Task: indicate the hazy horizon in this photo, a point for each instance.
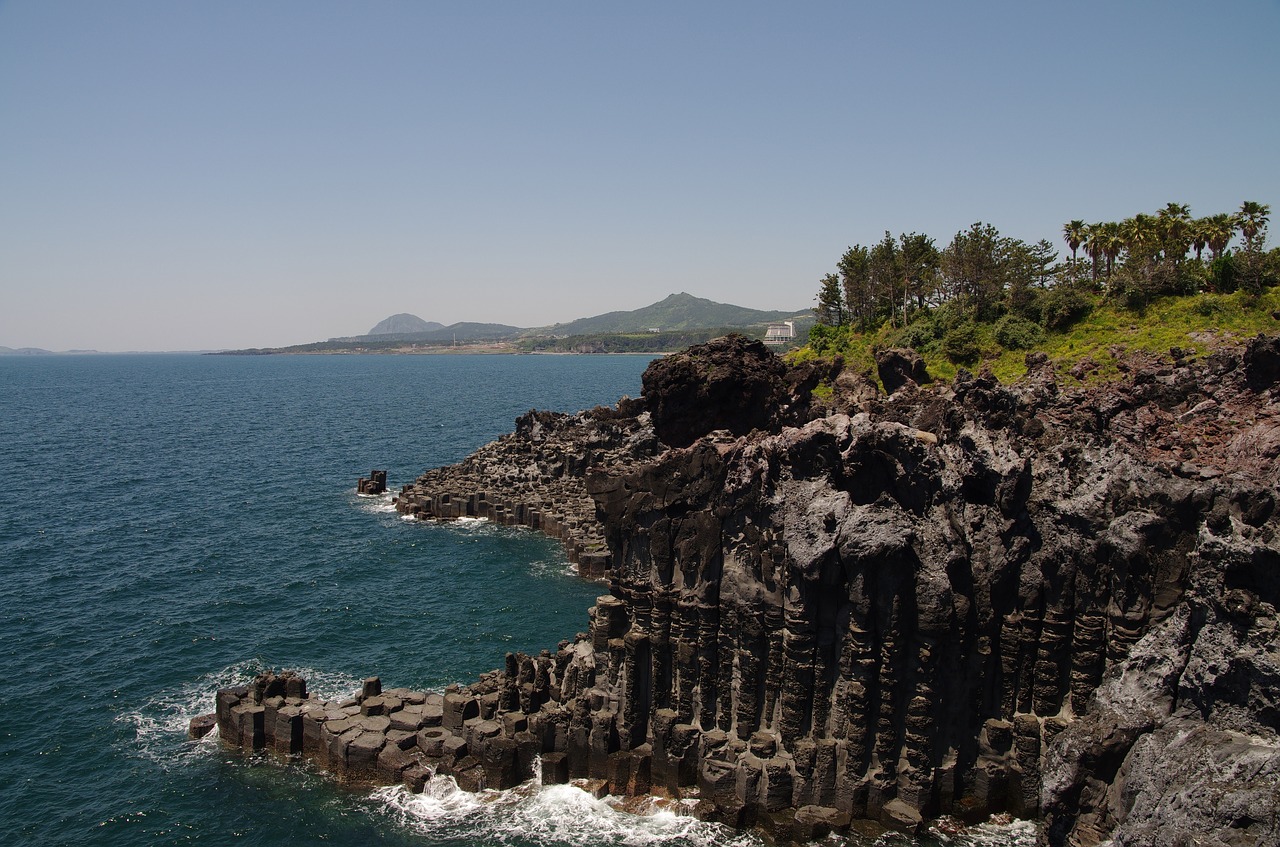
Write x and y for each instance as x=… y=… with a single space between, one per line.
x=188 y=177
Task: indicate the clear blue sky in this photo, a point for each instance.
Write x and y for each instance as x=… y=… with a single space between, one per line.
x=184 y=175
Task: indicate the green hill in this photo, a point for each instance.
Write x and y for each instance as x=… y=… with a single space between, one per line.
x=404 y=323
x=459 y=332
x=676 y=312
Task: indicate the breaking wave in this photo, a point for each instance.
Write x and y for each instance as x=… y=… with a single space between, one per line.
x=559 y=815
x=160 y=724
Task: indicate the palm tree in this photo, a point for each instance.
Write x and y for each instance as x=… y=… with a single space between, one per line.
x=1252 y=217
x=1199 y=236
x=1175 y=225
x=1138 y=233
x=1141 y=236
x=1218 y=231
x=1112 y=243
x=1252 y=221
x=1093 y=238
x=1074 y=233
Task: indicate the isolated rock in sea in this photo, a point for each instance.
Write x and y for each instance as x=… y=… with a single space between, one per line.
x=958 y=600
x=374 y=484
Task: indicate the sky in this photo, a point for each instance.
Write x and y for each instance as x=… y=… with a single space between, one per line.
x=184 y=175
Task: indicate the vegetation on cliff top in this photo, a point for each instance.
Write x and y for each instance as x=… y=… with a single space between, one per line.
x=985 y=300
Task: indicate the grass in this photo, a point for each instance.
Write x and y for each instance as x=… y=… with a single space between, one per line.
x=1193 y=322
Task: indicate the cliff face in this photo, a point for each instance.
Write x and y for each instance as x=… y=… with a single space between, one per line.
x=966 y=601
x=955 y=600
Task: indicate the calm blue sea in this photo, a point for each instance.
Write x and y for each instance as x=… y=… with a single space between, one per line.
x=172 y=524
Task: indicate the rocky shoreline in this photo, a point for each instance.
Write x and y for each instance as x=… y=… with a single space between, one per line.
x=836 y=606
x=536 y=477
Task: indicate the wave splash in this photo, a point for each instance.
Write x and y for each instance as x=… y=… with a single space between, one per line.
x=567 y=816
x=376 y=504
x=550 y=816
x=160 y=724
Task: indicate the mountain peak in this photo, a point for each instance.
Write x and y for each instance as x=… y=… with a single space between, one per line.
x=674 y=312
x=404 y=323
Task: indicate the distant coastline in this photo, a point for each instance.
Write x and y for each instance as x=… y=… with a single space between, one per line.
x=465 y=350
x=674 y=323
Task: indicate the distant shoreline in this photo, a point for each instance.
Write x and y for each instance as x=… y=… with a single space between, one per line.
x=471 y=350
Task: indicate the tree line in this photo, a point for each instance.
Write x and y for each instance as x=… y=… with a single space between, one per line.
x=982 y=276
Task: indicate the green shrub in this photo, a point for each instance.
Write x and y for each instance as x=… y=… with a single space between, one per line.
x=960 y=344
x=827 y=340
x=1061 y=307
x=1210 y=305
x=1222 y=274
x=919 y=334
x=947 y=317
x=1015 y=333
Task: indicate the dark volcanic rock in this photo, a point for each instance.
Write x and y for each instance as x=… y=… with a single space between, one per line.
x=898 y=366
x=731 y=383
x=536 y=476
x=1262 y=362
x=956 y=600
x=374 y=484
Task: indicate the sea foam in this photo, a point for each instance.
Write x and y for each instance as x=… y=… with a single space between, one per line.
x=160 y=723
x=545 y=815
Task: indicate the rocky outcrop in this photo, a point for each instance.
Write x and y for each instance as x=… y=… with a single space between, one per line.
x=733 y=384
x=945 y=595
x=536 y=477
x=899 y=366
x=1054 y=601
x=387 y=737
x=372 y=485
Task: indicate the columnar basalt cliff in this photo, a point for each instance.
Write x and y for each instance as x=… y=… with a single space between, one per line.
x=956 y=600
x=973 y=599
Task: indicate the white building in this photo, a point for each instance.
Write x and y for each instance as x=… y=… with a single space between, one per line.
x=783 y=333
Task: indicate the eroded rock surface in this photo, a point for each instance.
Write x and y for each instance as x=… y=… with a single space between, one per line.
x=1050 y=600
x=536 y=476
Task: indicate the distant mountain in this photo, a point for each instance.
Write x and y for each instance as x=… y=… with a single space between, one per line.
x=23 y=351
x=676 y=312
x=404 y=323
x=459 y=332
x=677 y=321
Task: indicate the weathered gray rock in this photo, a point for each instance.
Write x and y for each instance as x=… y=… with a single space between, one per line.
x=899 y=366
x=955 y=600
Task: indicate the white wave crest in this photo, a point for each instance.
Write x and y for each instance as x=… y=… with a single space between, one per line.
x=545 y=815
x=1000 y=831
x=160 y=724
x=377 y=504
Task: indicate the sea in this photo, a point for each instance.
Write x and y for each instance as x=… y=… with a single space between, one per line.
x=171 y=524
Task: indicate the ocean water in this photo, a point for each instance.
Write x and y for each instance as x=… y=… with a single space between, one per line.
x=173 y=524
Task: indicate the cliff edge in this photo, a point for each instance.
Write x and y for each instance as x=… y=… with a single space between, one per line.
x=827 y=604
x=981 y=597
